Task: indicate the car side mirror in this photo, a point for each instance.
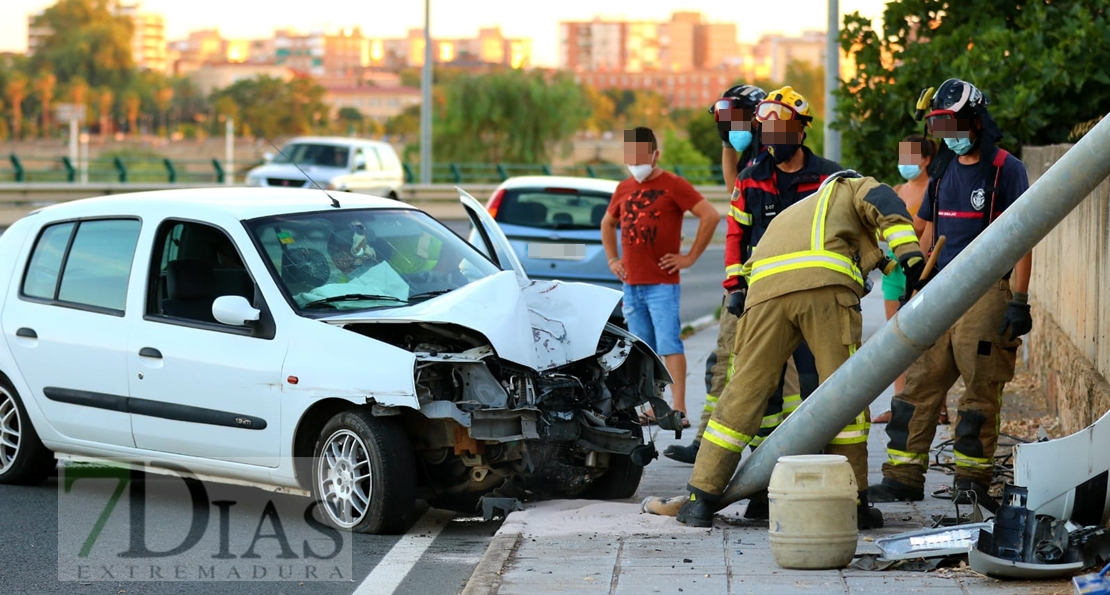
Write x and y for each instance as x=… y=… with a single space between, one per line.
x=268 y=157
x=234 y=310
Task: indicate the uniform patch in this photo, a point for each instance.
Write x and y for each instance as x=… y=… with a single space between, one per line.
x=978 y=199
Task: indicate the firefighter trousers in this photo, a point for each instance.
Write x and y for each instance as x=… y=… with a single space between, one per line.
x=829 y=320
x=798 y=381
x=973 y=349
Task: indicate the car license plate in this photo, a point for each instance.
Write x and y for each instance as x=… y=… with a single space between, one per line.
x=557 y=251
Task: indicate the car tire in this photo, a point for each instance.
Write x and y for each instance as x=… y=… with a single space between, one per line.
x=23 y=458
x=620 y=481
x=363 y=474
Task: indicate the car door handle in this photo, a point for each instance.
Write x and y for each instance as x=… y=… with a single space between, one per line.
x=150 y=352
x=27 y=332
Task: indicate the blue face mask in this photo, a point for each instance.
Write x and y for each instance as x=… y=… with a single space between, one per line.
x=909 y=171
x=959 y=146
x=739 y=139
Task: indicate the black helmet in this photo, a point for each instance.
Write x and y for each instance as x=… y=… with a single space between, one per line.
x=958 y=98
x=740 y=97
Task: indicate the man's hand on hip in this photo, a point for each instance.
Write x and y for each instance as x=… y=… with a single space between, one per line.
x=672 y=263
x=617 y=268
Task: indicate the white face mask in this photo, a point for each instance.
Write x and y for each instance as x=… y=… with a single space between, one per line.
x=641 y=172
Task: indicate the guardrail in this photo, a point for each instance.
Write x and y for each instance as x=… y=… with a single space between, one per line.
x=128 y=169
x=440 y=200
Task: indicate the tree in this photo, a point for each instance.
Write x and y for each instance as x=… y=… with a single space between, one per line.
x=405 y=124
x=44 y=87
x=162 y=98
x=676 y=150
x=508 y=116
x=349 y=119
x=603 y=111
x=78 y=91
x=16 y=92
x=87 y=41
x=1041 y=64
x=105 y=100
x=809 y=80
x=270 y=107
x=132 y=103
x=701 y=130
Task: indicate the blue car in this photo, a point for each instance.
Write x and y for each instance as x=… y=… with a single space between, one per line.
x=554 y=225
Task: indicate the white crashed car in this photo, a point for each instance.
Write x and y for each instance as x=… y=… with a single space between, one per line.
x=348 y=348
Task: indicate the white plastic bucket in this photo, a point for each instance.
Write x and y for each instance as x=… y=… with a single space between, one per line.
x=813 y=512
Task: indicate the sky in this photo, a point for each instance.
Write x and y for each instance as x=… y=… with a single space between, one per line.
x=453 y=18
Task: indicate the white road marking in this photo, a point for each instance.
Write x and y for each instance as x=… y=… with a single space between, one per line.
x=398 y=562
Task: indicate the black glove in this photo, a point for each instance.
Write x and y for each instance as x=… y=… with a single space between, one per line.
x=736 y=301
x=913 y=264
x=1016 y=319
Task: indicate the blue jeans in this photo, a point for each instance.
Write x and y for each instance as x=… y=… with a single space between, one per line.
x=651 y=312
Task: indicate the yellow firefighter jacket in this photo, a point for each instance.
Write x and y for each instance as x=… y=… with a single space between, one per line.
x=830 y=238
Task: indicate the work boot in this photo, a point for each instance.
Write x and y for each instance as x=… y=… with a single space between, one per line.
x=698 y=510
x=892 y=490
x=759 y=508
x=683 y=454
x=867 y=516
x=973 y=492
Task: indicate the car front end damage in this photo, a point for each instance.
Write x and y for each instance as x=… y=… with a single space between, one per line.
x=490 y=427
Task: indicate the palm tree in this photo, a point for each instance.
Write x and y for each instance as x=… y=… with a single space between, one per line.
x=163 y=97
x=16 y=91
x=105 y=101
x=44 y=86
x=131 y=104
x=79 y=92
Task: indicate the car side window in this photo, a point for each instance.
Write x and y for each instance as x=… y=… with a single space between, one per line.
x=372 y=162
x=197 y=263
x=360 y=160
x=95 y=263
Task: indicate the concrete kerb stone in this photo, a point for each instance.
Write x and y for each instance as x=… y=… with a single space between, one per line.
x=486 y=578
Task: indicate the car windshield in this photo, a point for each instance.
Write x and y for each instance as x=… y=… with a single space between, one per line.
x=357 y=259
x=313 y=154
x=553 y=208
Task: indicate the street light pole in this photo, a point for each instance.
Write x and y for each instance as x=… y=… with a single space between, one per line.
x=426 y=101
x=832 y=81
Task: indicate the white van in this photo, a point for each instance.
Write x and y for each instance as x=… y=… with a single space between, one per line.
x=335 y=163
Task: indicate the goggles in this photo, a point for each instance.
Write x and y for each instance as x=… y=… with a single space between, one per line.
x=942 y=121
x=775 y=110
x=727 y=106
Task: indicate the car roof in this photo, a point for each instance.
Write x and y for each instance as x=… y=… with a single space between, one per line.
x=580 y=183
x=237 y=202
x=335 y=140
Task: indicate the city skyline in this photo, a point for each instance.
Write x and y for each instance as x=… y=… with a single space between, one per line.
x=449 y=19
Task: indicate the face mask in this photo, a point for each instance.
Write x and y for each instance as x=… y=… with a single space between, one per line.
x=782 y=153
x=739 y=139
x=641 y=172
x=909 y=171
x=959 y=146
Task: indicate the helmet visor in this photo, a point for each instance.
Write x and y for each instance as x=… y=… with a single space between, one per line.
x=944 y=123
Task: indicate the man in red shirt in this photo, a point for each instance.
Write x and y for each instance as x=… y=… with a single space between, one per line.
x=649 y=207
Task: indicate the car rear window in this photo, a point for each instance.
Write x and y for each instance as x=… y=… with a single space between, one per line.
x=553 y=208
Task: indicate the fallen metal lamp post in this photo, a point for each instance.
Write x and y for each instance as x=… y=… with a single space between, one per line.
x=935 y=309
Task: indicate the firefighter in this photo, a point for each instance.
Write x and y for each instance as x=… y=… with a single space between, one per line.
x=789 y=172
x=802 y=287
x=972 y=184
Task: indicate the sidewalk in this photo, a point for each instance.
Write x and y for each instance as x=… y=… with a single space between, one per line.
x=589 y=546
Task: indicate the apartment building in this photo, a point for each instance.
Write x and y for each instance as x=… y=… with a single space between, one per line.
x=685 y=43
x=148 y=38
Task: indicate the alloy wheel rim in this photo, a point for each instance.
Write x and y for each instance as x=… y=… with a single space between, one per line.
x=10 y=430
x=344 y=478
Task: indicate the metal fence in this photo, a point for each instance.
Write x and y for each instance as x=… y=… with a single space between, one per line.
x=124 y=169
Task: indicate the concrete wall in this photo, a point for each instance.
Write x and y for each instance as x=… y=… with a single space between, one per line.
x=1069 y=347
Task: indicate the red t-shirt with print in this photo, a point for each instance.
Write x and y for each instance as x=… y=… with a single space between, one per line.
x=650 y=216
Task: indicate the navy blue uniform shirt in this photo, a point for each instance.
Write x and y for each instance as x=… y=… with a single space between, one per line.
x=965 y=199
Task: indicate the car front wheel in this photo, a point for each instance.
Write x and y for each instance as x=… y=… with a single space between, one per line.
x=364 y=474
x=23 y=458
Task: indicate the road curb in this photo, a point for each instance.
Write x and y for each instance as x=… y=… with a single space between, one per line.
x=700 y=324
x=486 y=578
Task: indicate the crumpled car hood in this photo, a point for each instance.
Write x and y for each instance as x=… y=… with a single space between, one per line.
x=543 y=325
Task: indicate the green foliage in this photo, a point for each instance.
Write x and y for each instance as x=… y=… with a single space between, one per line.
x=88 y=41
x=809 y=80
x=677 y=150
x=701 y=129
x=1041 y=64
x=405 y=124
x=270 y=107
x=507 y=116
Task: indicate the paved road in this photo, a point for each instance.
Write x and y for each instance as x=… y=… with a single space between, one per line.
x=437 y=556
